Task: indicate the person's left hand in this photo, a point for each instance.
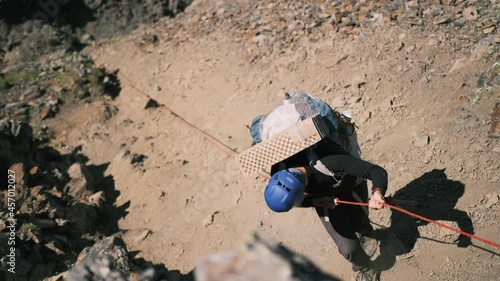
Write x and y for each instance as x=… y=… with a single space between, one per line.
x=377 y=200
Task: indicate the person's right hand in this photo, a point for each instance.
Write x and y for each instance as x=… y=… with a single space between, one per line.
x=377 y=200
x=327 y=202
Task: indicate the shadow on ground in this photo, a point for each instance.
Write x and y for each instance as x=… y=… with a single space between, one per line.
x=435 y=196
x=59 y=203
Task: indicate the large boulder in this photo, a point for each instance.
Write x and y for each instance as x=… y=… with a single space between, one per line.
x=261 y=259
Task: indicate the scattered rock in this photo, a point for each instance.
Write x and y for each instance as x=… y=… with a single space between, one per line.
x=259 y=260
x=98 y=268
x=493 y=199
x=494 y=131
x=457 y=65
x=137 y=160
x=18 y=172
x=80 y=185
x=358 y=81
x=97 y=199
x=151 y=104
x=423 y=141
x=447 y=234
x=209 y=219
x=142 y=236
x=470 y=13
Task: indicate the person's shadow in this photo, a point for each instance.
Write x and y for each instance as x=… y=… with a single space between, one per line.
x=432 y=196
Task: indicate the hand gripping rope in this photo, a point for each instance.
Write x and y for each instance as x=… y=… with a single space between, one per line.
x=424 y=219
x=231 y=153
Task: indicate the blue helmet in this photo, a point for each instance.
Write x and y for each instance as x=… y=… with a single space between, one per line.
x=284 y=190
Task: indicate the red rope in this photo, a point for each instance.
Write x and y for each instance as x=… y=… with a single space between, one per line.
x=226 y=150
x=425 y=219
x=231 y=153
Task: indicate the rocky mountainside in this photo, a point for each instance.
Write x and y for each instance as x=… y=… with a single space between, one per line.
x=30 y=29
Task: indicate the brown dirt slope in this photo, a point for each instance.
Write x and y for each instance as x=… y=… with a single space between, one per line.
x=421 y=82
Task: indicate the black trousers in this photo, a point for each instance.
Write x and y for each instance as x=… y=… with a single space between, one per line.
x=343 y=222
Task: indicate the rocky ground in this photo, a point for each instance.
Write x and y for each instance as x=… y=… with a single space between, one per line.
x=103 y=134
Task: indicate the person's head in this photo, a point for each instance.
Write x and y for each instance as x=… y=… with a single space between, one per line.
x=285 y=190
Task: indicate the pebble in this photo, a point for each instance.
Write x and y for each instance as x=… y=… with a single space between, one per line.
x=143 y=235
x=209 y=219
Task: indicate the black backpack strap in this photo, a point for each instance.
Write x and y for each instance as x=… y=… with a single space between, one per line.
x=316 y=163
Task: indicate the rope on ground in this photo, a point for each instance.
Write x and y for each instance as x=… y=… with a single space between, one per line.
x=425 y=219
x=231 y=154
x=228 y=151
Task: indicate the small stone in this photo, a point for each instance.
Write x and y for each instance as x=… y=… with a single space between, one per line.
x=492 y=200
x=34 y=170
x=459 y=22
x=209 y=219
x=324 y=16
x=446 y=234
x=86 y=38
x=423 y=141
x=152 y=104
x=358 y=81
x=143 y=235
x=45 y=113
x=137 y=160
x=400 y=45
x=457 y=65
x=18 y=173
x=51 y=245
x=441 y=20
x=470 y=13
x=58 y=89
x=489 y=29
x=31 y=93
x=432 y=42
x=220 y=12
x=80 y=184
x=97 y=199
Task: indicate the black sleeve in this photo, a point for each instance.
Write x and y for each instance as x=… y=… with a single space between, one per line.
x=307 y=202
x=355 y=167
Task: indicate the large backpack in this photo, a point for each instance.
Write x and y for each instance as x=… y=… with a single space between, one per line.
x=297 y=106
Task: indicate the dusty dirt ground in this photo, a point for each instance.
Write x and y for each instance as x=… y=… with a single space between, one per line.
x=416 y=103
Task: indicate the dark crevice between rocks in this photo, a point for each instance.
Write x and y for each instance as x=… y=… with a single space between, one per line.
x=66 y=215
x=59 y=199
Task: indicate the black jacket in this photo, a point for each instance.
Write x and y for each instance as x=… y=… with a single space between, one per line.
x=337 y=160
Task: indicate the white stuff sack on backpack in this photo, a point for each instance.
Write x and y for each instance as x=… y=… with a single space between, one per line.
x=296 y=106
